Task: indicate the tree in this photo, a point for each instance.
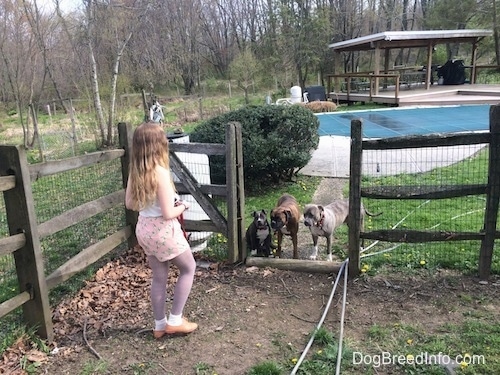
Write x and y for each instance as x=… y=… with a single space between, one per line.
x=41 y=34
x=114 y=24
x=496 y=33
x=304 y=36
x=450 y=14
x=219 y=34
x=182 y=33
x=244 y=69
x=19 y=57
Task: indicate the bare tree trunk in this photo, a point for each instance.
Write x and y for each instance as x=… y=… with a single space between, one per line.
x=114 y=79
x=33 y=17
x=71 y=38
x=94 y=78
x=36 y=134
x=495 y=33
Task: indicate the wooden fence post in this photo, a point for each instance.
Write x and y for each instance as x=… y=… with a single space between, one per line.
x=125 y=134
x=231 y=181
x=354 y=220
x=240 y=191
x=235 y=193
x=492 y=197
x=21 y=218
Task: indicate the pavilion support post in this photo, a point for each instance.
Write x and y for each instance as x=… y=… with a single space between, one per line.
x=473 y=63
x=377 y=69
x=387 y=57
x=337 y=66
x=428 y=72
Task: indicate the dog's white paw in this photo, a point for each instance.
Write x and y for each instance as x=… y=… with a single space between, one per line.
x=329 y=258
x=314 y=253
x=253 y=253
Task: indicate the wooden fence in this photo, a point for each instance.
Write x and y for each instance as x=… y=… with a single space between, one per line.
x=491 y=189
x=24 y=237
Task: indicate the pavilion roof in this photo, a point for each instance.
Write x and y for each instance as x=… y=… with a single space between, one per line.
x=406 y=39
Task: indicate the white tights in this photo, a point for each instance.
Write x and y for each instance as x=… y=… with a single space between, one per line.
x=187 y=265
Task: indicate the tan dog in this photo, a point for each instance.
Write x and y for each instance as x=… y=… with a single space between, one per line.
x=323 y=220
x=285 y=220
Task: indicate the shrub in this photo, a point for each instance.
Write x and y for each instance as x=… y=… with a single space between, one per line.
x=277 y=142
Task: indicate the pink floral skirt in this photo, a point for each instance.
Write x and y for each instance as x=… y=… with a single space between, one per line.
x=161 y=238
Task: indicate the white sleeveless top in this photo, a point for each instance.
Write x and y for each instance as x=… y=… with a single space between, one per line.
x=154 y=210
x=151 y=211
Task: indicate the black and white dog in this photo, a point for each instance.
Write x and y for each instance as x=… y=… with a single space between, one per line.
x=259 y=235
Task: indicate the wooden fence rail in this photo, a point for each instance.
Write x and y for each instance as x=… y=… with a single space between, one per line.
x=489 y=233
x=25 y=234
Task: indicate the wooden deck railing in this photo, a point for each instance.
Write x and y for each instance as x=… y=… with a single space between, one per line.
x=352 y=82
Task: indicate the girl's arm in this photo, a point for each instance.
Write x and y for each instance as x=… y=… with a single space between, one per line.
x=166 y=195
x=128 y=196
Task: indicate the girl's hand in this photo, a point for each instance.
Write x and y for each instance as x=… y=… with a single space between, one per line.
x=183 y=203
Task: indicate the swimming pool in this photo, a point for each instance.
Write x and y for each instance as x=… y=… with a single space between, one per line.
x=396 y=122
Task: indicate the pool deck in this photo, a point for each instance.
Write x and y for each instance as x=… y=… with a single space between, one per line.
x=418 y=95
x=332 y=159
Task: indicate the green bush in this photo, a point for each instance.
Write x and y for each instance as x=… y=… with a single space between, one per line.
x=277 y=142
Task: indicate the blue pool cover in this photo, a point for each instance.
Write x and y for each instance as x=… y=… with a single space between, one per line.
x=397 y=122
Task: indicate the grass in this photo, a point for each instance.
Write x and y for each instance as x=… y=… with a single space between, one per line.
x=464 y=214
x=18 y=337
x=202 y=368
x=94 y=368
x=472 y=342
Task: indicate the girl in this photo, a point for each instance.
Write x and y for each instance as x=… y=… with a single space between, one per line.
x=150 y=190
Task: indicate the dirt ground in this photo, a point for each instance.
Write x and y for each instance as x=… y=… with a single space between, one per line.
x=246 y=315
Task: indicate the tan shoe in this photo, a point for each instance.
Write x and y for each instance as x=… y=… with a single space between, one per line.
x=185 y=328
x=158 y=334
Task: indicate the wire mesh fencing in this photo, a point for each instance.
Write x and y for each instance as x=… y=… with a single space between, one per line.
x=445 y=168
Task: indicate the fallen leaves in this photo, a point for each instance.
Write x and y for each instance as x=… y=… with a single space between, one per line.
x=116 y=298
x=18 y=353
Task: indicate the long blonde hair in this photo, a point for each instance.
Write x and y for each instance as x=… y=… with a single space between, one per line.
x=149 y=149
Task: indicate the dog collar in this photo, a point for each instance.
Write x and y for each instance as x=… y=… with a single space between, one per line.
x=320 y=223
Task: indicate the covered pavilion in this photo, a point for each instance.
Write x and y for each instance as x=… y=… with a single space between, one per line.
x=428 y=39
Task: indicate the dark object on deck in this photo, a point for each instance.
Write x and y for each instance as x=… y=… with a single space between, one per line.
x=453 y=72
x=315 y=93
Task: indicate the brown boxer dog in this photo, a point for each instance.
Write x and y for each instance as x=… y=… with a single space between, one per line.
x=285 y=221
